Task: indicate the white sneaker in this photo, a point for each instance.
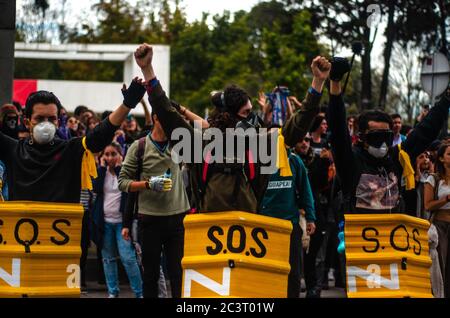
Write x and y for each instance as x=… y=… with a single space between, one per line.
x=113 y=296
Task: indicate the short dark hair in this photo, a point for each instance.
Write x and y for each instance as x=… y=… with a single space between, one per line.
x=41 y=97
x=79 y=110
x=395 y=116
x=373 y=115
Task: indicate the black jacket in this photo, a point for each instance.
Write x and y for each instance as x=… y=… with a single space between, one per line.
x=373 y=185
x=52 y=172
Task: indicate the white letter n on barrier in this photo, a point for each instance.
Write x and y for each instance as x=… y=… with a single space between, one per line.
x=12 y=279
x=221 y=289
x=372 y=278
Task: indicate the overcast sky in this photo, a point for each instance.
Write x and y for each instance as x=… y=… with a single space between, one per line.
x=193 y=8
x=81 y=10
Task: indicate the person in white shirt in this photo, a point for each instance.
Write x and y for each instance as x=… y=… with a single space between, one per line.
x=107 y=220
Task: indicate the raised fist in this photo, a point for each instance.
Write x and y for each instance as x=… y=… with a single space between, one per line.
x=144 y=55
x=321 y=68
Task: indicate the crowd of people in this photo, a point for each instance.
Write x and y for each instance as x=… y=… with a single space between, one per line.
x=136 y=201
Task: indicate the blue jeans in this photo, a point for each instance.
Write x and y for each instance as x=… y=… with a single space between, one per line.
x=113 y=243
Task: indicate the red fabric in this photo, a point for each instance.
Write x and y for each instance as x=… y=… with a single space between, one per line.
x=205 y=167
x=23 y=88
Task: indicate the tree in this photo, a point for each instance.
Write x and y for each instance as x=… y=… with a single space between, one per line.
x=402 y=28
x=272 y=44
x=407 y=95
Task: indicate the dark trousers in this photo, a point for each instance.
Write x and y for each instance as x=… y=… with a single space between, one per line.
x=310 y=259
x=294 y=261
x=160 y=233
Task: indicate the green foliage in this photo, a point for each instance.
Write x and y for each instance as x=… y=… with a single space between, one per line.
x=272 y=44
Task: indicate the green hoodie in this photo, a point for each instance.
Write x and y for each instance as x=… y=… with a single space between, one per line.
x=284 y=196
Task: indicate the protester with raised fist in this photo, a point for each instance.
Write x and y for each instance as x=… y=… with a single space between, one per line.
x=241 y=190
x=35 y=163
x=160 y=202
x=371 y=171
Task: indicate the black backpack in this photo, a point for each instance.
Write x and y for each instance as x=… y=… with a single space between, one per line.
x=132 y=206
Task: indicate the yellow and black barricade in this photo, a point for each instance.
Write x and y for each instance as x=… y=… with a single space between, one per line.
x=40 y=249
x=387 y=255
x=235 y=254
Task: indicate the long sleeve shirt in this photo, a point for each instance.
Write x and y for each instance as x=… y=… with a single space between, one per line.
x=248 y=198
x=155 y=163
x=372 y=185
x=51 y=172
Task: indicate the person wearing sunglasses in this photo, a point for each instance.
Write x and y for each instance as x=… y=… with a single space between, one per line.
x=371 y=172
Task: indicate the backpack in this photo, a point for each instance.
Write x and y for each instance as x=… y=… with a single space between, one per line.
x=240 y=177
x=132 y=206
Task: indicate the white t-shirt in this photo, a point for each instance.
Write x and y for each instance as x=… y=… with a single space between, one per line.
x=112 y=197
x=443 y=191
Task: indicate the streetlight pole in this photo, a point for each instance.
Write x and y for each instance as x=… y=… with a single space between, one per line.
x=7 y=37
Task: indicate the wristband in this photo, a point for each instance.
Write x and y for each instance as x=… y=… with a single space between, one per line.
x=312 y=91
x=153 y=82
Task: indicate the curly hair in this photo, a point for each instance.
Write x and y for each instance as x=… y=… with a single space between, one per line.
x=222 y=120
x=227 y=105
x=232 y=100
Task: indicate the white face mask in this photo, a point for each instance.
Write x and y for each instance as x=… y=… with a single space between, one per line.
x=44 y=133
x=378 y=152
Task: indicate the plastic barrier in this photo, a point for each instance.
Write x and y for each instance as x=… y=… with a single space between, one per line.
x=40 y=249
x=387 y=255
x=235 y=254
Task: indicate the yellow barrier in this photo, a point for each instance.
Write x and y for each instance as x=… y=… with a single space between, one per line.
x=40 y=249
x=387 y=255
x=235 y=254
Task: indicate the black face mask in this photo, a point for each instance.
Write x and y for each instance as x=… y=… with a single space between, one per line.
x=376 y=138
x=10 y=126
x=252 y=121
x=11 y=122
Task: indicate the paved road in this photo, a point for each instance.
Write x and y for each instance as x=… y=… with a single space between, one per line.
x=99 y=291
